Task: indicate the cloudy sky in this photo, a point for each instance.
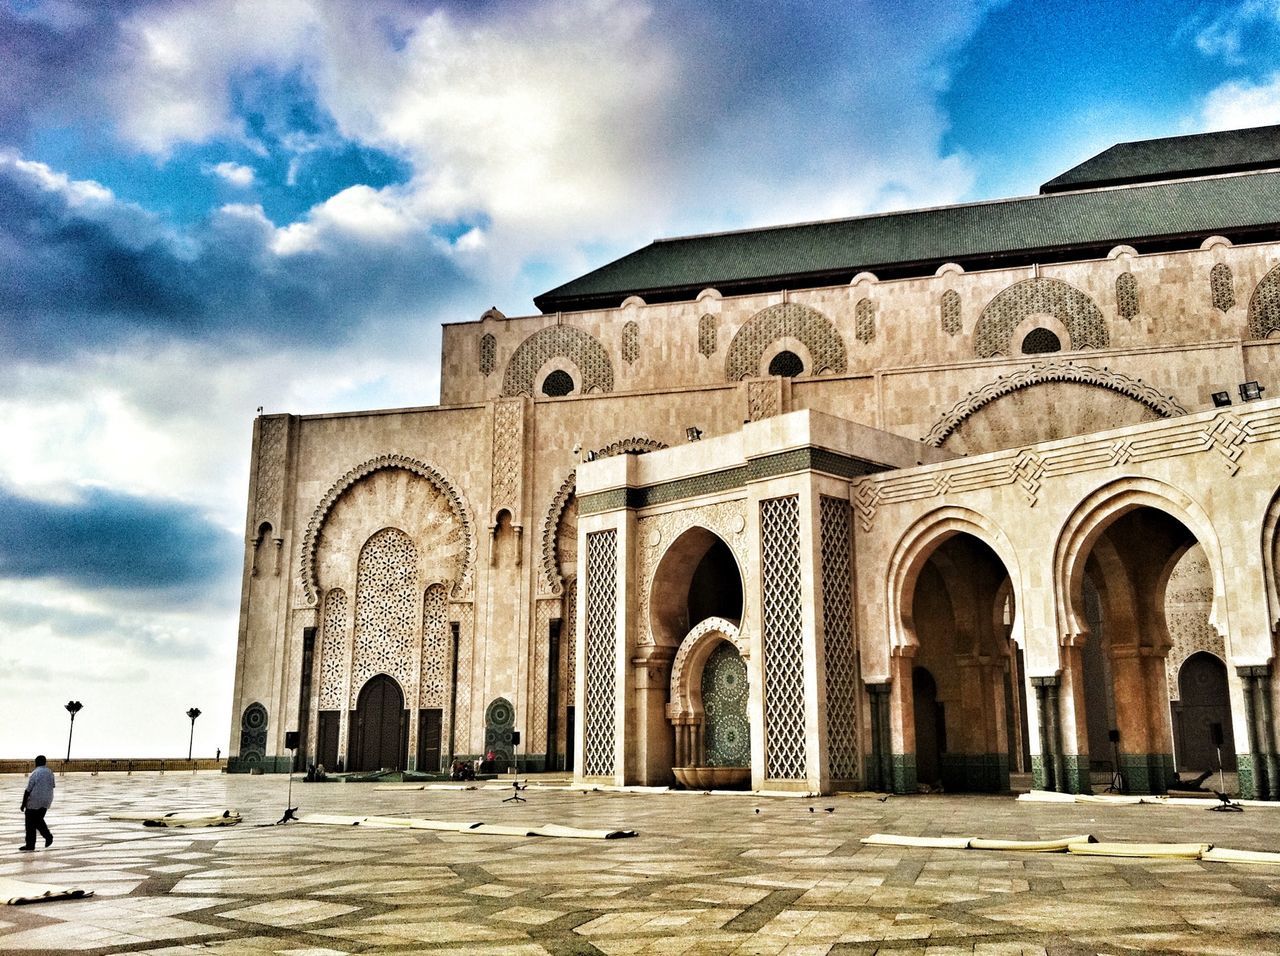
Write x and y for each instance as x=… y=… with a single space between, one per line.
x=210 y=206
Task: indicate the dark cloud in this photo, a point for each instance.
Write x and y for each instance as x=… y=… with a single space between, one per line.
x=112 y=540
x=83 y=273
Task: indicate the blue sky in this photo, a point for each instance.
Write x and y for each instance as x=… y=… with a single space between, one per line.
x=207 y=207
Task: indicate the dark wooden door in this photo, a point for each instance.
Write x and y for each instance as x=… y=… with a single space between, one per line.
x=429 y=724
x=568 y=738
x=1202 y=687
x=381 y=727
x=327 y=739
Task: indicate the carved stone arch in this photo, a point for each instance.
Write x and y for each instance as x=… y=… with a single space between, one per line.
x=1271 y=559
x=1163 y=405
x=558 y=341
x=1006 y=311
x=552 y=580
x=1095 y=514
x=1264 y=306
x=917 y=545
x=307 y=573
x=725 y=520
x=686 y=668
x=787 y=319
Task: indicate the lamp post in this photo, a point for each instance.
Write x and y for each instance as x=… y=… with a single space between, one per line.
x=73 y=707
x=193 y=713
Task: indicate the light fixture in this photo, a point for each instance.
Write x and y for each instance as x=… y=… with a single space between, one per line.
x=1221 y=399
x=591 y=456
x=693 y=433
x=1251 y=391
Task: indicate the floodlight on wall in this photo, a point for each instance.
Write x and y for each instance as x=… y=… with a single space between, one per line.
x=1221 y=399
x=591 y=456
x=1251 y=391
x=693 y=433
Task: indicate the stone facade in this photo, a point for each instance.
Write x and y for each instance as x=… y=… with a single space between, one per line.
x=895 y=542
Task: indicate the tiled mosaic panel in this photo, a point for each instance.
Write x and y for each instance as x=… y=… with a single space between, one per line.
x=630 y=342
x=569 y=641
x=783 y=654
x=464 y=614
x=436 y=641
x=707 y=334
x=727 y=735
x=787 y=319
x=1126 y=295
x=1264 y=307
x=508 y=449
x=488 y=354
x=598 y=722
x=950 y=309
x=864 y=316
x=559 y=341
x=333 y=650
x=386 y=612
x=838 y=645
x=1222 y=287
x=541 y=646
x=253 y=733
x=1070 y=306
x=499 y=728
x=271 y=455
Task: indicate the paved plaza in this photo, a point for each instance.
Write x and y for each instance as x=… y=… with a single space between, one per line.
x=707 y=874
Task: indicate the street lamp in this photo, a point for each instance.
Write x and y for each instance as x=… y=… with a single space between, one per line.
x=73 y=707
x=193 y=713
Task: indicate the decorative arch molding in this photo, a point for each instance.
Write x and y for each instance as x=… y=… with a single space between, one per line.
x=917 y=544
x=461 y=585
x=1271 y=559
x=1005 y=312
x=686 y=668
x=552 y=581
x=1163 y=405
x=1264 y=306
x=558 y=341
x=786 y=319
x=1090 y=520
x=726 y=520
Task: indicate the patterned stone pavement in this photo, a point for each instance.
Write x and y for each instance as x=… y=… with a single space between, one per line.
x=707 y=874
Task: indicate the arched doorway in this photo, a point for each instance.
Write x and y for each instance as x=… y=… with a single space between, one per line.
x=1118 y=556
x=1204 y=715
x=967 y=692
x=707 y=709
x=380 y=726
x=499 y=733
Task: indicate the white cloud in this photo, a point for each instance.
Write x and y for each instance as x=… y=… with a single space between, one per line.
x=234 y=174
x=1240 y=104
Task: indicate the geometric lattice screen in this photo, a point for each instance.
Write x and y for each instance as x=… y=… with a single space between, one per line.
x=599 y=663
x=387 y=607
x=837 y=645
x=783 y=651
x=333 y=651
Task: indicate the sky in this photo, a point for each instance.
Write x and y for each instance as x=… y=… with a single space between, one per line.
x=207 y=207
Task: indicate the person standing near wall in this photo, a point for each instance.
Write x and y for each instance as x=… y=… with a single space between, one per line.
x=36 y=801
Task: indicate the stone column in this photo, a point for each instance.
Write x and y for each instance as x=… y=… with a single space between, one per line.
x=654 y=759
x=1255 y=783
x=1053 y=778
x=880 y=763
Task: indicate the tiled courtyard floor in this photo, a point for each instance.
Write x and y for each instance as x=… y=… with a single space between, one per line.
x=707 y=874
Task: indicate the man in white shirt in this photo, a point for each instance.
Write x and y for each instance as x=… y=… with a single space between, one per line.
x=36 y=801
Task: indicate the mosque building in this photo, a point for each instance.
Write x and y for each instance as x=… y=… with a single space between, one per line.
x=921 y=498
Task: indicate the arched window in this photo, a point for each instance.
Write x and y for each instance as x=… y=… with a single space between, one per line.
x=786 y=364
x=558 y=383
x=1038 y=341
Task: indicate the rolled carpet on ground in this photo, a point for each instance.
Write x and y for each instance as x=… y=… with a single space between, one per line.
x=17 y=892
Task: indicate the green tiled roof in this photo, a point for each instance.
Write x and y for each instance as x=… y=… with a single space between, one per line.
x=1175 y=157
x=1034 y=228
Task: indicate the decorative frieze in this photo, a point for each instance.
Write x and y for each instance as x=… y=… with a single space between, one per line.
x=1223 y=435
x=508 y=458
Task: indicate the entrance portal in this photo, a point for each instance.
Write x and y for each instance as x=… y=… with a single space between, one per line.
x=1204 y=715
x=380 y=727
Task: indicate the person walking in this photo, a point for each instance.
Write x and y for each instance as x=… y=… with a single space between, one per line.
x=36 y=801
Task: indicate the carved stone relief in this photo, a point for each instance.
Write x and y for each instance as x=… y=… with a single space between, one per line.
x=785 y=320
x=559 y=341
x=1004 y=313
